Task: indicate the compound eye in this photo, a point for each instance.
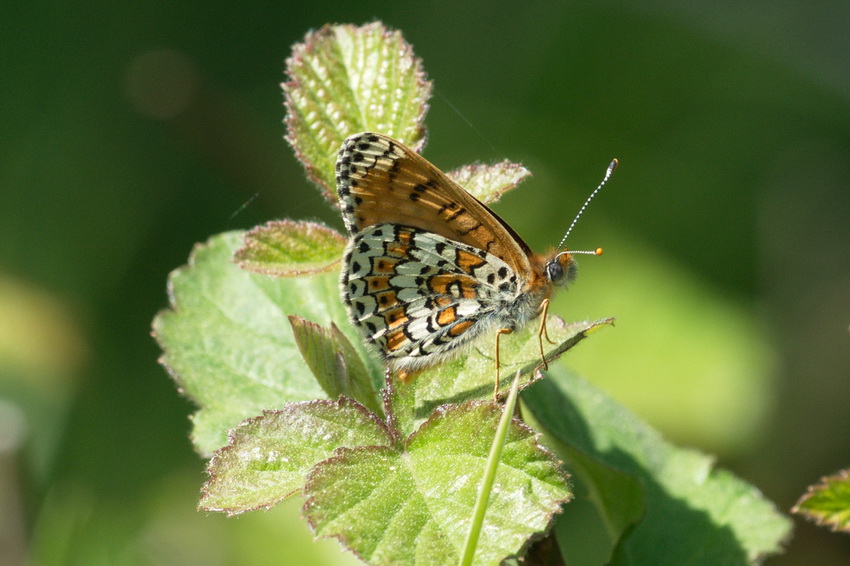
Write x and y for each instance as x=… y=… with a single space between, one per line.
x=562 y=269
x=555 y=271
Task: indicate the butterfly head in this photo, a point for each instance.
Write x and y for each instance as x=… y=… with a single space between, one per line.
x=562 y=268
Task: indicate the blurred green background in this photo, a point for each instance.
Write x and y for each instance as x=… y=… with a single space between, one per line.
x=130 y=133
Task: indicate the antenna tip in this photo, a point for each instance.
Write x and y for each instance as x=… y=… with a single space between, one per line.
x=597 y=251
x=613 y=165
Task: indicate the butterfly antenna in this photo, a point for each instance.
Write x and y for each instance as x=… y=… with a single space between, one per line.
x=597 y=251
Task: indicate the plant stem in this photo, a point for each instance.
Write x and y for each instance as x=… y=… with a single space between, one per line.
x=489 y=475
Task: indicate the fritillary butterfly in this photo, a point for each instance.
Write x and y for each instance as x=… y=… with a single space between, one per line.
x=428 y=268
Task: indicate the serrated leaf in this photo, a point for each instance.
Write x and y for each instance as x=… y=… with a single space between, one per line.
x=287 y=248
x=828 y=502
x=268 y=457
x=488 y=183
x=415 y=506
x=335 y=363
x=227 y=340
x=685 y=512
x=472 y=376
x=345 y=79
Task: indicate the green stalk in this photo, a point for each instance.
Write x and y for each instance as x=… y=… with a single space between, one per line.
x=489 y=475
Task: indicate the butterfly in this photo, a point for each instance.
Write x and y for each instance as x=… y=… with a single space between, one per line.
x=429 y=269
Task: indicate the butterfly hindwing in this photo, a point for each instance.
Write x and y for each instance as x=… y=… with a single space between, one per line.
x=418 y=296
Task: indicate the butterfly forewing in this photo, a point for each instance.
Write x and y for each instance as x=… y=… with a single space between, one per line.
x=381 y=180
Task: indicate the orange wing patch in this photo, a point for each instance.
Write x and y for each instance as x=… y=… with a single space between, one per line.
x=387 y=299
x=447 y=316
x=452 y=285
x=468 y=262
x=395 y=317
x=378 y=283
x=399 y=249
x=460 y=328
x=395 y=340
x=383 y=265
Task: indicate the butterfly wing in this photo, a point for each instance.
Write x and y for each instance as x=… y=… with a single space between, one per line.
x=380 y=180
x=419 y=297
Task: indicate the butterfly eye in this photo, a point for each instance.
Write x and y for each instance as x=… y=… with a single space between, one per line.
x=554 y=271
x=562 y=269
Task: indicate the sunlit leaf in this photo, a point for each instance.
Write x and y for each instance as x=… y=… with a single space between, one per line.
x=227 y=340
x=345 y=79
x=489 y=182
x=473 y=376
x=414 y=506
x=286 y=248
x=268 y=457
x=828 y=502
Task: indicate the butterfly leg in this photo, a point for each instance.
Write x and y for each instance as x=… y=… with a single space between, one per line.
x=496 y=386
x=541 y=332
x=544 y=306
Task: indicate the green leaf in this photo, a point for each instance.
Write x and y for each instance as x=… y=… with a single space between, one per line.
x=227 y=340
x=288 y=248
x=472 y=376
x=488 y=183
x=345 y=79
x=415 y=506
x=828 y=503
x=662 y=504
x=335 y=363
x=268 y=457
